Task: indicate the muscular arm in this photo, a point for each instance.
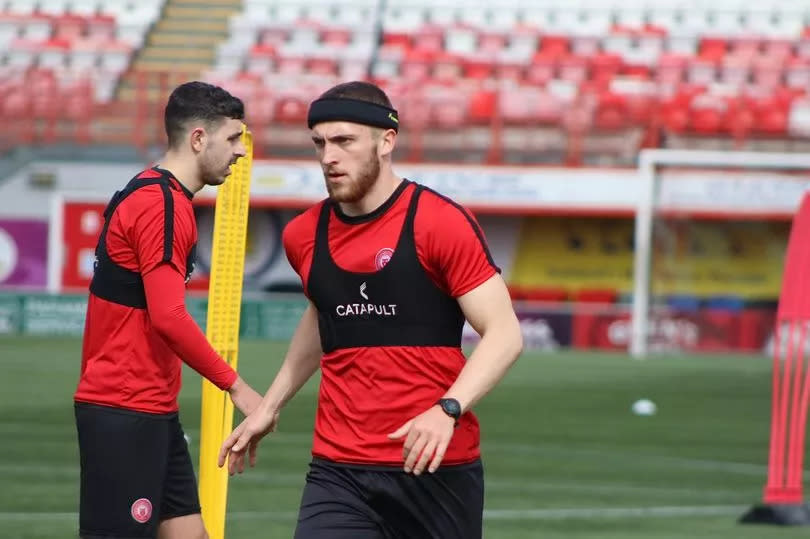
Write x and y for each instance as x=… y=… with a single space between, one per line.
x=489 y=311
x=458 y=259
x=300 y=363
x=302 y=360
x=165 y=299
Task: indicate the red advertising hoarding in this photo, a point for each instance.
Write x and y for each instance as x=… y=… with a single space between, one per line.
x=705 y=330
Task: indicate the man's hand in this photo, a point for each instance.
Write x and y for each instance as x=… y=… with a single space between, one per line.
x=426 y=436
x=244 y=397
x=246 y=437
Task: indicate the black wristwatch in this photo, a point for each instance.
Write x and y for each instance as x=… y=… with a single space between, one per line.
x=451 y=407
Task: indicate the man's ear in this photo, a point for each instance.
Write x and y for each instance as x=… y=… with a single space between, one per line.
x=388 y=141
x=197 y=139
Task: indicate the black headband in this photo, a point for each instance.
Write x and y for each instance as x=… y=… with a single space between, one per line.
x=352 y=110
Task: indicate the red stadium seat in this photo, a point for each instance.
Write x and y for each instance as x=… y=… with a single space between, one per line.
x=718 y=71
x=611 y=112
x=671 y=69
x=291 y=109
x=770 y=117
x=542 y=69
x=712 y=49
x=478 y=68
x=554 y=45
x=707 y=114
x=396 y=39
x=605 y=67
x=335 y=37
x=482 y=107
x=573 y=68
x=69 y=27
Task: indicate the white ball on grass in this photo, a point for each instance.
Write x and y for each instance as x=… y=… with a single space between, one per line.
x=644 y=407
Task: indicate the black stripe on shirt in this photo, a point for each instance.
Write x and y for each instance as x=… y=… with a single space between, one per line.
x=168 y=222
x=475 y=226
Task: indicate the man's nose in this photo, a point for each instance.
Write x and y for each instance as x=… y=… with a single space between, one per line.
x=329 y=155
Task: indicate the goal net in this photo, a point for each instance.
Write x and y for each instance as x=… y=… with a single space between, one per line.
x=722 y=258
x=711 y=233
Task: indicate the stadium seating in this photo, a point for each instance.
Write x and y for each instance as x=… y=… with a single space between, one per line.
x=733 y=69
x=70 y=40
x=581 y=71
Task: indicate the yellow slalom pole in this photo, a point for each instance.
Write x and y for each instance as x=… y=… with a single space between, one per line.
x=222 y=330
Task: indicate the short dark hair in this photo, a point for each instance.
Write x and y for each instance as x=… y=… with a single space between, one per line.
x=198 y=101
x=360 y=90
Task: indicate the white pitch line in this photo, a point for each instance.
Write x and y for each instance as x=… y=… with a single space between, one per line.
x=625 y=457
x=562 y=513
x=742 y=468
x=496 y=484
x=290 y=480
x=585 y=513
x=275 y=479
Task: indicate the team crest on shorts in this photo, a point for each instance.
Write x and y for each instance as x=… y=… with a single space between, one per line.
x=141 y=510
x=383 y=257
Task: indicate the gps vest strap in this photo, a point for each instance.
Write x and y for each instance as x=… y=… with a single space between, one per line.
x=113 y=282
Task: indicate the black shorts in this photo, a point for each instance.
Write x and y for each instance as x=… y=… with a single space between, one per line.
x=135 y=472
x=345 y=502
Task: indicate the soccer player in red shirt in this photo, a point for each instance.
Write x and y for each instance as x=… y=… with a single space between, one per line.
x=137 y=479
x=392 y=269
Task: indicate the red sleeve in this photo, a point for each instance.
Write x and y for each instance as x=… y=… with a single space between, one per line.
x=451 y=245
x=148 y=233
x=298 y=239
x=165 y=300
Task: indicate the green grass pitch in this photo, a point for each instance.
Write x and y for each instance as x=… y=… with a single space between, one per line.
x=563 y=454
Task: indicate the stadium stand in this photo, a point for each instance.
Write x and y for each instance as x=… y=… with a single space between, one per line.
x=531 y=81
x=70 y=40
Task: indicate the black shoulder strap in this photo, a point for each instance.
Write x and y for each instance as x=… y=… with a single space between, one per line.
x=321 y=249
x=168 y=212
x=475 y=226
x=168 y=220
x=410 y=217
x=113 y=282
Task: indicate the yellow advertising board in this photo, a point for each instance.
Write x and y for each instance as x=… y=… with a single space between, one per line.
x=700 y=258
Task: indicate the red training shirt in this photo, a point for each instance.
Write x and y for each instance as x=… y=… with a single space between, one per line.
x=368 y=392
x=131 y=358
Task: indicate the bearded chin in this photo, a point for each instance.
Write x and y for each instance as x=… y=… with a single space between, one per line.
x=355 y=191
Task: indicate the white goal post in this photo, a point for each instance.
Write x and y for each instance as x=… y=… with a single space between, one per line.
x=649 y=163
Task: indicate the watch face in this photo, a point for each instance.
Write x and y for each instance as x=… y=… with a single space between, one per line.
x=452 y=407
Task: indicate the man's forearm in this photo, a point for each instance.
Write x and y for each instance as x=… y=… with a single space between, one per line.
x=498 y=349
x=164 y=287
x=302 y=360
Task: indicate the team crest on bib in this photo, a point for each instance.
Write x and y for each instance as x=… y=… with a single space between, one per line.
x=141 y=510
x=383 y=257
